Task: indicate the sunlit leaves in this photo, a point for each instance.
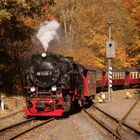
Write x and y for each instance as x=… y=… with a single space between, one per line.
x=92 y=29
x=85 y=56
x=133 y=8
x=4 y=14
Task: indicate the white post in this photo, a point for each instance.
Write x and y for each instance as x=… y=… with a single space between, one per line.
x=2 y=104
x=109 y=67
x=110 y=53
x=109 y=79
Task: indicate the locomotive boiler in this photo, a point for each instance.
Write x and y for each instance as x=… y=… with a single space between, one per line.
x=54 y=83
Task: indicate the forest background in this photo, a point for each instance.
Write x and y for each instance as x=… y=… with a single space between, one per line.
x=84 y=32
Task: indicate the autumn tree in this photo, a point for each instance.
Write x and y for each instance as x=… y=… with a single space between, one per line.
x=88 y=22
x=16 y=31
x=85 y=31
x=133 y=8
x=64 y=11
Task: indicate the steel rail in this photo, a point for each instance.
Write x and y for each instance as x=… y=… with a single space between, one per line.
x=10 y=115
x=130 y=110
x=103 y=125
x=14 y=125
x=27 y=130
x=118 y=121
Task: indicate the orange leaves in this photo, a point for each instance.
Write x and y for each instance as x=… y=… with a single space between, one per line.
x=122 y=57
x=90 y=31
x=86 y=29
x=85 y=56
x=38 y=18
x=133 y=7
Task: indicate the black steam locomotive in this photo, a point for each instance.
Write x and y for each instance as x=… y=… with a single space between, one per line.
x=53 y=84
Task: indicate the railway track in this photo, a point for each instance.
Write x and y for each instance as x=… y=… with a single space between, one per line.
x=13 y=131
x=112 y=125
x=11 y=115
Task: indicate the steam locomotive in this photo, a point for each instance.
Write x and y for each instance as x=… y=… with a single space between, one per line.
x=54 y=85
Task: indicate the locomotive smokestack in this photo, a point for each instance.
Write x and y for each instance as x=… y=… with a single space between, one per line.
x=47 y=33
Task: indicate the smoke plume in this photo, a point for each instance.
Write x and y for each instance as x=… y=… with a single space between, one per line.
x=48 y=32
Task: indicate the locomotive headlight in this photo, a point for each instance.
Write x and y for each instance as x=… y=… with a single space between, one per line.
x=43 y=55
x=32 y=89
x=54 y=88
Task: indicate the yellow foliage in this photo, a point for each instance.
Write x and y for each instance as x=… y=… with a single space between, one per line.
x=85 y=56
x=122 y=58
x=91 y=30
x=37 y=19
x=4 y=14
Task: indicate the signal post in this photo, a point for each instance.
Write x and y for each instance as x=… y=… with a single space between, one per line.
x=110 y=53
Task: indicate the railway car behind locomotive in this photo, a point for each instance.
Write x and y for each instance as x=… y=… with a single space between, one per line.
x=54 y=84
x=122 y=77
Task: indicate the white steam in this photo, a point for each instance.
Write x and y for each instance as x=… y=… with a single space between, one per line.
x=47 y=33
